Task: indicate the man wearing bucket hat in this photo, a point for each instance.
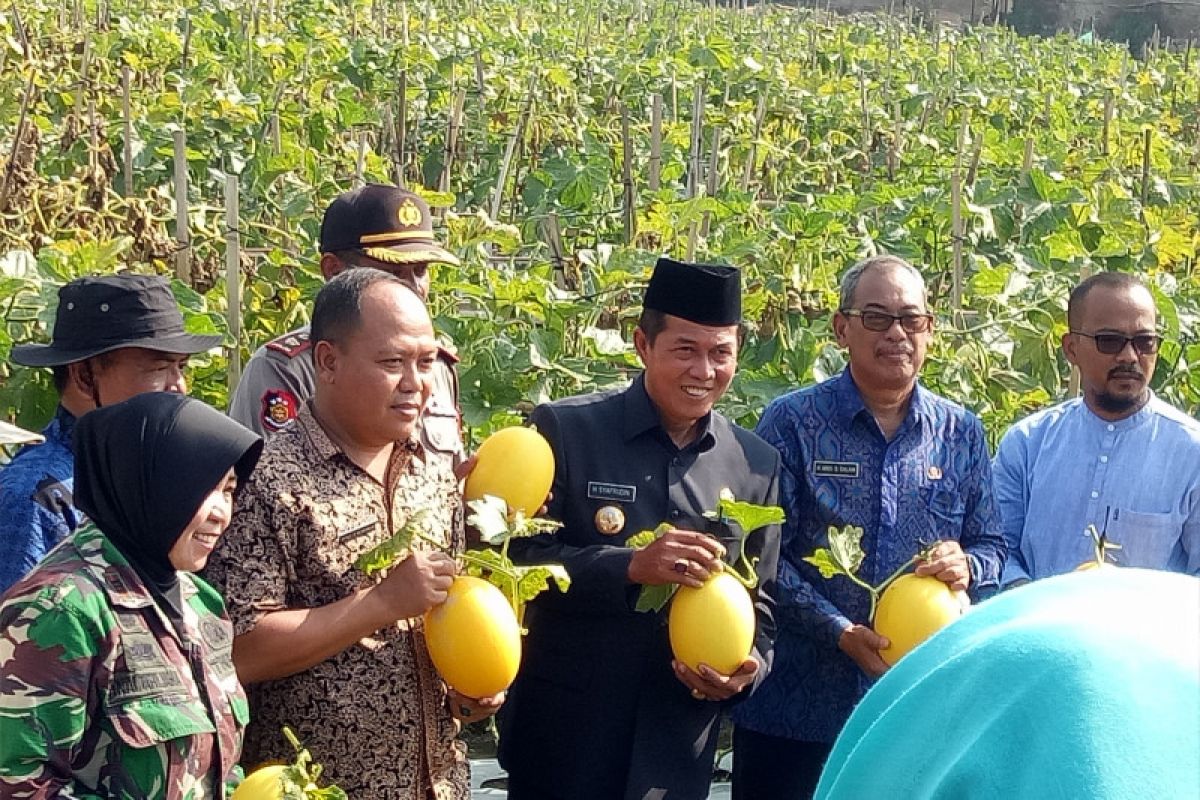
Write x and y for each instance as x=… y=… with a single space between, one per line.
x=115 y=336
x=384 y=227
x=600 y=709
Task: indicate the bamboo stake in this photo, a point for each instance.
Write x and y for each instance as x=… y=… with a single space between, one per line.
x=1027 y=161
x=18 y=137
x=693 y=180
x=1108 y=118
x=553 y=238
x=630 y=210
x=511 y=147
x=893 y=161
x=127 y=122
x=956 y=219
x=760 y=116
x=360 y=162
x=452 y=129
x=655 y=167
x=402 y=127
x=233 y=284
x=1146 y=165
x=19 y=27
x=710 y=182
x=183 y=247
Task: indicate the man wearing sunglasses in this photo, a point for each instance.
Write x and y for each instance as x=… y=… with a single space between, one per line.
x=874 y=449
x=1118 y=458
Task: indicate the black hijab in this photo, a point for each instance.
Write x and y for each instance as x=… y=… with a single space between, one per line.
x=144 y=466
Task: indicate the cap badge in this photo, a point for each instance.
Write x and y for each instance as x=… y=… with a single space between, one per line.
x=408 y=214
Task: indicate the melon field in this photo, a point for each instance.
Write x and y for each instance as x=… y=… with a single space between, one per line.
x=567 y=143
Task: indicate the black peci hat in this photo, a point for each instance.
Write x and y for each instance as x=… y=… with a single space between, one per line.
x=104 y=313
x=386 y=222
x=707 y=294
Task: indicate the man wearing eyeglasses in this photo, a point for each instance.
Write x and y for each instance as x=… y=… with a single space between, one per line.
x=874 y=449
x=1118 y=458
x=379 y=226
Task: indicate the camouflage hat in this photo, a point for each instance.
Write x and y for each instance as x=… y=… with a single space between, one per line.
x=386 y=222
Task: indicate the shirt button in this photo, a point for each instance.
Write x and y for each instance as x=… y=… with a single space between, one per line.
x=1111 y=428
x=1103 y=459
x=1095 y=495
x=675 y=513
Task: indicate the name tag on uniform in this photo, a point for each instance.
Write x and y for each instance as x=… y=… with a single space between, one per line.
x=611 y=491
x=835 y=469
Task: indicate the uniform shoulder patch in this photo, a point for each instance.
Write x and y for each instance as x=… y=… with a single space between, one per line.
x=291 y=345
x=279 y=408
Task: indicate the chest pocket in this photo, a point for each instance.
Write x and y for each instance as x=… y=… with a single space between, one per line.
x=946 y=508
x=1147 y=540
x=440 y=427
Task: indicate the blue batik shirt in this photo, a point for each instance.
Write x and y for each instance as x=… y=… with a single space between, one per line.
x=37 y=510
x=1137 y=479
x=932 y=481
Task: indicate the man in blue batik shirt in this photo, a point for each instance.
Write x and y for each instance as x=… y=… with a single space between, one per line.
x=869 y=448
x=1118 y=458
x=114 y=336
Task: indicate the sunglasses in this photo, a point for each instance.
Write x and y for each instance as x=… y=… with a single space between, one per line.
x=1112 y=343
x=879 y=322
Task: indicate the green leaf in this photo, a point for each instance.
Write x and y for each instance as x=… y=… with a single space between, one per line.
x=490 y=518
x=388 y=552
x=845 y=546
x=532 y=581
x=655 y=598
x=645 y=538
x=823 y=561
x=748 y=516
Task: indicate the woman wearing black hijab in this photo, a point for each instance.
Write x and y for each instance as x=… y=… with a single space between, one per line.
x=115 y=671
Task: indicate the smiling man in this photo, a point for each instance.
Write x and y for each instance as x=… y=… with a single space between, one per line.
x=335 y=654
x=874 y=449
x=1118 y=458
x=599 y=709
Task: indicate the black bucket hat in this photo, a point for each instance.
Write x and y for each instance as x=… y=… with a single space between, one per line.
x=99 y=314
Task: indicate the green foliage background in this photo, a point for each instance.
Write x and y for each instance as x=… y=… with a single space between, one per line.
x=864 y=121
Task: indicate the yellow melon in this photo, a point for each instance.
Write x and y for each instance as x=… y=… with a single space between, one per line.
x=474 y=639
x=515 y=464
x=712 y=625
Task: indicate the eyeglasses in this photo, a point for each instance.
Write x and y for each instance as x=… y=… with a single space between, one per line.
x=878 y=321
x=1110 y=344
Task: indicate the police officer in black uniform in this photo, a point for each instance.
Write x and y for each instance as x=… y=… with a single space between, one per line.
x=600 y=709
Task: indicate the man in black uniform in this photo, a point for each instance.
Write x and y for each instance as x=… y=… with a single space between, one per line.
x=600 y=709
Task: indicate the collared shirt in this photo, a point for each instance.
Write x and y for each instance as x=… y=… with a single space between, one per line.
x=375 y=714
x=104 y=695
x=1137 y=479
x=596 y=711
x=280 y=378
x=932 y=481
x=37 y=510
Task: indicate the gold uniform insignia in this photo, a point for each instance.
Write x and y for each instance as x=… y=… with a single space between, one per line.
x=408 y=214
x=610 y=520
x=934 y=473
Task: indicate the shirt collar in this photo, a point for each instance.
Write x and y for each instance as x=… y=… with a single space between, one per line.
x=1132 y=421
x=325 y=447
x=62 y=428
x=121 y=581
x=850 y=403
x=641 y=416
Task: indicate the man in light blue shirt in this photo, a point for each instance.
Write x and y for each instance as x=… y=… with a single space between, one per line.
x=1117 y=458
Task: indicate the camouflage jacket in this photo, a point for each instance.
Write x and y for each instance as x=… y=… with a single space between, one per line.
x=101 y=696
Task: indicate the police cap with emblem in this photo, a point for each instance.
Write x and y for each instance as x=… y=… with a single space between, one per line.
x=707 y=294
x=386 y=222
x=103 y=313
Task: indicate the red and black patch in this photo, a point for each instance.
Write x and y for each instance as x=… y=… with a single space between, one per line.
x=279 y=408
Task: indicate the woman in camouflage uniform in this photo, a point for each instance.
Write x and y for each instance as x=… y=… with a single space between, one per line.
x=115 y=673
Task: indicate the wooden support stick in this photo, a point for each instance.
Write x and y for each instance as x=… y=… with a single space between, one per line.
x=655 y=166
x=127 y=122
x=629 y=201
x=233 y=283
x=511 y=147
x=1146 y=137
x=760 y=116
x=183 y=247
